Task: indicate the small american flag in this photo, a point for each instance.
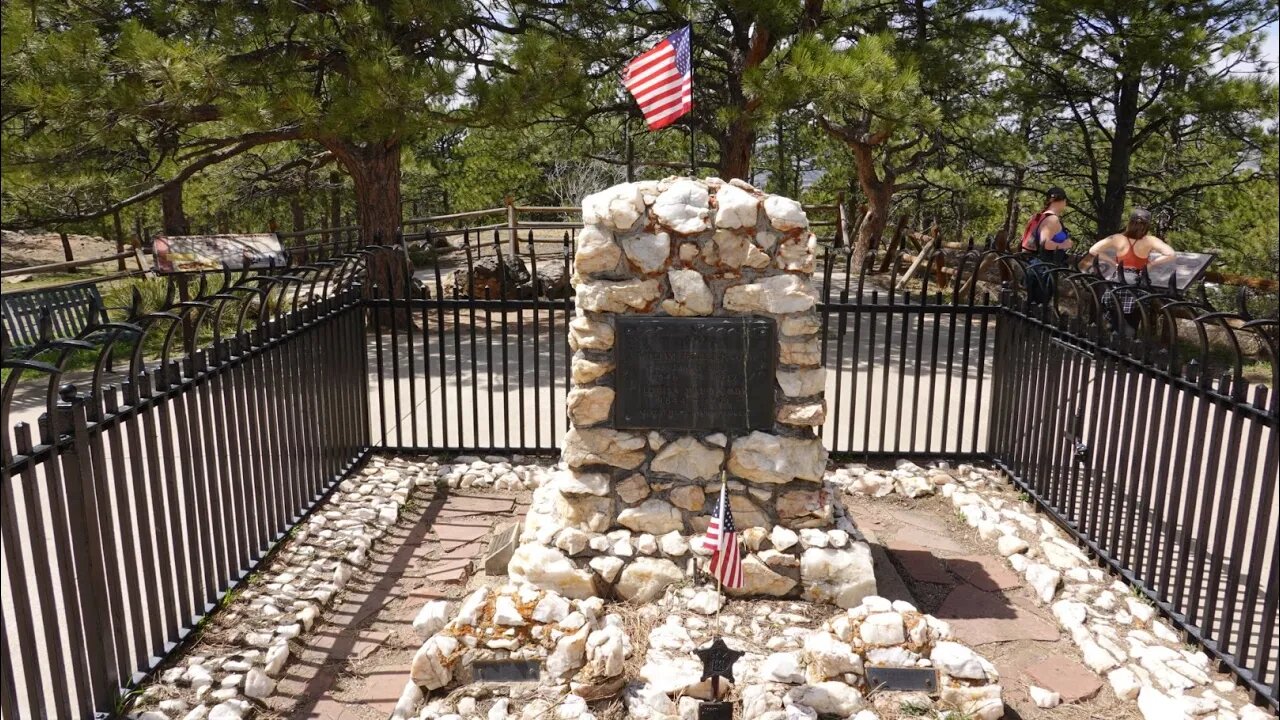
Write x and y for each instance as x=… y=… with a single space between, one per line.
x=661 y=80
x=722 y=540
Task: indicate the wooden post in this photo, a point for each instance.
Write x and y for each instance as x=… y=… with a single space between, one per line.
x=119 y=228
x=839 y=238
x=66 y=245
x=137 y=230
x=513 y=234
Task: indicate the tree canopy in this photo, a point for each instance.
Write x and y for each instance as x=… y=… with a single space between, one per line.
x=243 y=115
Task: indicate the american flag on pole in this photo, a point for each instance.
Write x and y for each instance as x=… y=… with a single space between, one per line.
x=661 y=80
x=722 y=540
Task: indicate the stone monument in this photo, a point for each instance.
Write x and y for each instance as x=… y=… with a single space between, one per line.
x=696 y=350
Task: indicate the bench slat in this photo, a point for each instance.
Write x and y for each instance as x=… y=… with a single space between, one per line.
x=71 y=310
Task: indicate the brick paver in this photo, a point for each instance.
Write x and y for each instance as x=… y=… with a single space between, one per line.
x=940 y=543
x=919 y=562
x=1066 y=677
x=985 y=572
x=979 y=617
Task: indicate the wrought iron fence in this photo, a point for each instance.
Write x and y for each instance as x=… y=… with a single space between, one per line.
x=1158 y=454
x=187 y=471
x=139 y=499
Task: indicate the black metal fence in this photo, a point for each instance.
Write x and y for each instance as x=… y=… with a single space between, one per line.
x=146 y=495
x=487 y=370
x=1159 y=455
x=140 y=499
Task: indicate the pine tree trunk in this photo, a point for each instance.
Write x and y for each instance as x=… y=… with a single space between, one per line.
x=375 y=176
x=173 y=216
x=1111 y=213
x=735 y=149
x=879 y=193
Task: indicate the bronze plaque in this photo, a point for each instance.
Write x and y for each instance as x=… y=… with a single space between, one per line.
x=712 y=374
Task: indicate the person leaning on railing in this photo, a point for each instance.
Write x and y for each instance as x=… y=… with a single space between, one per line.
x=1045 y=242
x=1125 y=257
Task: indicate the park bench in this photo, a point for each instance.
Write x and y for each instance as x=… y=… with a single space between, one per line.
x=71 y=309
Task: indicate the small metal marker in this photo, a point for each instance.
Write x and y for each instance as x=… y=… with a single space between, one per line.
x=717 y=662
x=902 y=679
x=506 y=671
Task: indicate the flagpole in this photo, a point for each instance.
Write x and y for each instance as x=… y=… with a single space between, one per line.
x=693 y=147
x=724 y=498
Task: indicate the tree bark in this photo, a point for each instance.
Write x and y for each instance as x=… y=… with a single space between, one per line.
x=735 y=148
x=375 y=175
x=879 y=194
x=174 y=217
x=1111 y=212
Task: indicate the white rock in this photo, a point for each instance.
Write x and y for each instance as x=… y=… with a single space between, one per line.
x=1044 y=698
x=827 y=657
x=883 y=628
x=616 y=208
x=647 y=702
x=683 y=208
x=913 y=486
x=842 y=577
x=784 y=213
x=469 y=611
x=408 y=702
x=673 y=544
x=569 y=654
x=605 y=296
x=736 y=208
x=783 y=538
x=596 y=251
x=498 y=711
x=1008 y=545
x=873 y=484
x=648 y=252
x=549 y=569
x=647 y=578
x=1140 y=611
x=689 y=459
x=1124 y=683
x=1070 y=613
x=778 y=295
x=199 y=712
x=1253 y=712
x=607 y=566
x=1097 y=659
x=431 y=618
x=551 y=609
x=1044 y=580
x=233 y=709
x=572 y=541
x=690 y=294
x=706 y=602
x=802 y=383
x=784 y=667
x=606 y=652
x=1155 y=705
x=811 y=538
x=828 y=698
x=506 y=613
x=429 y=667
x=652 y=516
x=962 y=662
x=277 y=656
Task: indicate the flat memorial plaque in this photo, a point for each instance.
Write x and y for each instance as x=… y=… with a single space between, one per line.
x=714 y=374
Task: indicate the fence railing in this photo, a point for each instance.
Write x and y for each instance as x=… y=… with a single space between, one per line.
x=138 y=500
x=1159 y=456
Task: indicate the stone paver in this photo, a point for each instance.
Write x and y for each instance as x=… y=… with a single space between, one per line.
x=1068 y=678
x=979 y=617
x=936 y=541
x=360 y=663
x=919 y=562
x=985 y=572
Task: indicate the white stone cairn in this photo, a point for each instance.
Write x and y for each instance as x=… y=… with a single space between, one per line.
x=624 y=518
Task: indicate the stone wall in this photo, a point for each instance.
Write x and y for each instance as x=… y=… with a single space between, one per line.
x=625 y=517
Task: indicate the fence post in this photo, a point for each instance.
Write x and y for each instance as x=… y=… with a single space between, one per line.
x=66 y=245
x=119 y=228
x=81 y=498
x=513 y=236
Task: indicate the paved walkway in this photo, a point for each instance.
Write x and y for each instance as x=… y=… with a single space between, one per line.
x=356 y=662
x=949 y=574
